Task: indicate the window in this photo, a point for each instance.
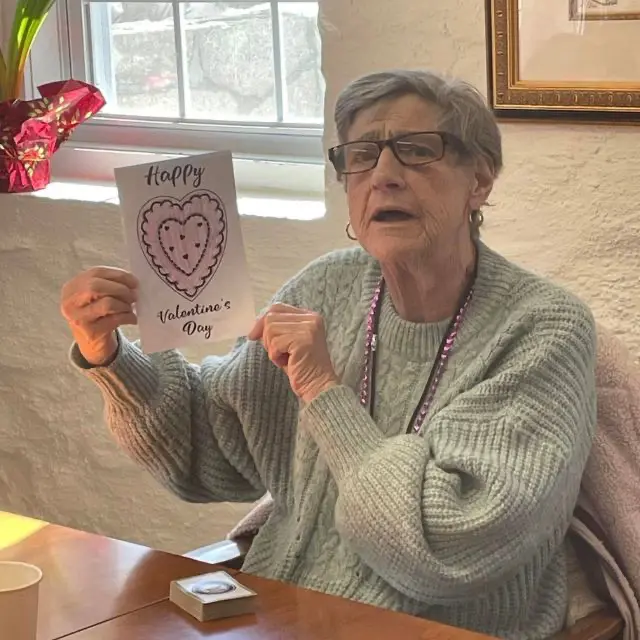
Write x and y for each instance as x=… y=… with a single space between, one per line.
x=195 y=76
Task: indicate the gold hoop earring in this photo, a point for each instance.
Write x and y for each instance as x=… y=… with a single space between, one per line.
x=348 y=232
x=476 y=218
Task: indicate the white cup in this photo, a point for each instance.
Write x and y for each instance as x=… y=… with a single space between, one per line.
x=19 y=583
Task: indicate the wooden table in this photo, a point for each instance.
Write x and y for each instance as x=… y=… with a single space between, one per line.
x=89 y=579
x=284 y=612
x=97 y=588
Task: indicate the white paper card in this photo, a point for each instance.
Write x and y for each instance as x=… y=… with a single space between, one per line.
x=184 y=241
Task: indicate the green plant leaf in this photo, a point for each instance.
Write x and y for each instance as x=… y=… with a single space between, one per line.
x=3 y=72
x=28 y=19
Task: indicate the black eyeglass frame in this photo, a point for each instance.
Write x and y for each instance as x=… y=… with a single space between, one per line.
x=448 y=140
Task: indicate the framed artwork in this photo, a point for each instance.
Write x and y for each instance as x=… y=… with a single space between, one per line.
x=564 y=59
x=604 y=9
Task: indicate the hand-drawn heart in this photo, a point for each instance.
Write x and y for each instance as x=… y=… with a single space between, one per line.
x=184 y=240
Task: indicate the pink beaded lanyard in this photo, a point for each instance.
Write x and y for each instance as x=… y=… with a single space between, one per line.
x=367 y=384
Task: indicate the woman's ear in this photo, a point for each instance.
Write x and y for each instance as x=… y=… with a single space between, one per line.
x=482 y=185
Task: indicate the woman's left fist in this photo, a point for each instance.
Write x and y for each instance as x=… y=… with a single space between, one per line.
x=295 y=341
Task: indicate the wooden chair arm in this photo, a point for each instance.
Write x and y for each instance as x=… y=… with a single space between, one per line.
x=227 y=553
x=601 y=625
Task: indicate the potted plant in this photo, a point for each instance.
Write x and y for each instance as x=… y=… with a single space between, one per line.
x=31 y=131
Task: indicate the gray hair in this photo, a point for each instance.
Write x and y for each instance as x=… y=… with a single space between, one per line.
x=464 y=111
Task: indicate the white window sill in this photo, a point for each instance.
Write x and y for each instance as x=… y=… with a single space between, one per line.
x=287 y=180
x=267 y=206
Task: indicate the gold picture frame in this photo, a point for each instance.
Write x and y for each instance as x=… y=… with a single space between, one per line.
x=515 y=95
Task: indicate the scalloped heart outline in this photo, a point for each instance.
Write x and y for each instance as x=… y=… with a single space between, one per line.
x=161 y=209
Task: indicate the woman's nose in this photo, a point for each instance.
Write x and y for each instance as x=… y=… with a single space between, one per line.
x=388 y=173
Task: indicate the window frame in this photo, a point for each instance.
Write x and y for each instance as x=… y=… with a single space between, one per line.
x=266 y=154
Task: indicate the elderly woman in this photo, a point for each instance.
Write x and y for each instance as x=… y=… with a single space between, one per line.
x=420 y=408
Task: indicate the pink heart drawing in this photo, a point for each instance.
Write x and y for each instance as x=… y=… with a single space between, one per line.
x=184 y=240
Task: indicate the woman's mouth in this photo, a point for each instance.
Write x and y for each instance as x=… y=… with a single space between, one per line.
x=392 y=215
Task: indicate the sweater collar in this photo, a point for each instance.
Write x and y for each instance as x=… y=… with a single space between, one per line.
x=420 y=341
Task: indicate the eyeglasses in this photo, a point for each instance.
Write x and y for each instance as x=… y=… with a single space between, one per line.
x=410 y=149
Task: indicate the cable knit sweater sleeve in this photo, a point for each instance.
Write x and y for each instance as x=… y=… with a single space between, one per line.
x=218 y=431
x=489 y=491
x=160 y=412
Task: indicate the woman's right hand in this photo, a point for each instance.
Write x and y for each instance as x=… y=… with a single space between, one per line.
x=95 y=303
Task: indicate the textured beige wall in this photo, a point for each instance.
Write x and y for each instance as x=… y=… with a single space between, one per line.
x=566 y=207
x=56 y=460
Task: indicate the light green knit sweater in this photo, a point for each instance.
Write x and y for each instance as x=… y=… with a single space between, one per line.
x=465 y=525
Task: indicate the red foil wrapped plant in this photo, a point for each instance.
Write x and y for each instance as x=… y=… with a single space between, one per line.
x=31 y=131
